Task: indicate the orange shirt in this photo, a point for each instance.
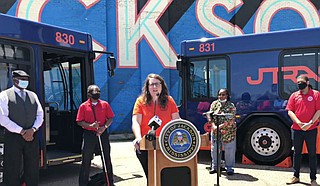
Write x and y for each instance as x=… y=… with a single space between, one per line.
x=147 y=112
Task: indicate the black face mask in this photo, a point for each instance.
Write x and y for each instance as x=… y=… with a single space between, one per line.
x=95 y=96
x=302 y=85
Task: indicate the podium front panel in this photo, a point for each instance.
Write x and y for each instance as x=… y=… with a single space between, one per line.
x=176 y=176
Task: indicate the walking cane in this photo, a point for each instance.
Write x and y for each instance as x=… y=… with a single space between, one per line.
x=101 y=149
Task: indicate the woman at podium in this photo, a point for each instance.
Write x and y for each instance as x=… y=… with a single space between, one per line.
x=154 y=107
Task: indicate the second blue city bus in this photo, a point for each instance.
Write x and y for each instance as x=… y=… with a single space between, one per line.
x=260 y=71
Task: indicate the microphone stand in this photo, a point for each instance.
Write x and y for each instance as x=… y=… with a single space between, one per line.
x=152 y=128
x=154 y=158
x=213 y=115
x=218 y=141
x=152 y=136
x=218 y=151
x=154 y=143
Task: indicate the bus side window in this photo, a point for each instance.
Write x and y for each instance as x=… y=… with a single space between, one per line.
x=3 y=76
x=294 y=63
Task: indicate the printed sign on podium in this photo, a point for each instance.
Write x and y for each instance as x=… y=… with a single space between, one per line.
x=173 y=161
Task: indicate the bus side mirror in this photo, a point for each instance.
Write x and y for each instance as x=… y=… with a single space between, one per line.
x=111 y=64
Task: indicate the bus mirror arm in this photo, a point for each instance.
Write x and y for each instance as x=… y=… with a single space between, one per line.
x=111 y=61
x=103 y=52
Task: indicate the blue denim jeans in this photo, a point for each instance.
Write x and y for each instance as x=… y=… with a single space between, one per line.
x=229 y=153
x=298 y=137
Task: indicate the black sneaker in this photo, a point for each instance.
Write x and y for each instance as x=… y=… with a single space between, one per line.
x=215 y=171
x=230 y=173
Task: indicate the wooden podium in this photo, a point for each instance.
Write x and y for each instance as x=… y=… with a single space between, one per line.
x=164 y=172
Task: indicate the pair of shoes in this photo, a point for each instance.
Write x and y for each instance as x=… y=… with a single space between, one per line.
x=314 y=183
x=293 y=180
x=213 y=171
x=230 y=171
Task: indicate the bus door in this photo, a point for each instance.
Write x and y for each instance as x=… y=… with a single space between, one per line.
x=206 y=76
x=64 y=76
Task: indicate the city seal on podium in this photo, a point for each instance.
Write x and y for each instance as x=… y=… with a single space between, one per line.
x=179 y=141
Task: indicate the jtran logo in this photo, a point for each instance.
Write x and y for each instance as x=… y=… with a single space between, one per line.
x=292 y=75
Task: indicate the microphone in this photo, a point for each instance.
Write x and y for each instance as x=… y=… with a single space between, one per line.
x=154 y=123
x=210 y=114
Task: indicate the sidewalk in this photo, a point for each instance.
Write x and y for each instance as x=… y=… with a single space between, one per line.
x=128 y=171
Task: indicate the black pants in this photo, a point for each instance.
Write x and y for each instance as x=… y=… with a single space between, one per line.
x=90 y=143
x=20 y=154
x=143 y=159
x=310 y=137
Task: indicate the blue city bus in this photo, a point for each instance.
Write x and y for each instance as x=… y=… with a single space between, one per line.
x=260 y=71
x=60 y=64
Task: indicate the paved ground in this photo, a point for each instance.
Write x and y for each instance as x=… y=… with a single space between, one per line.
x=128 y=171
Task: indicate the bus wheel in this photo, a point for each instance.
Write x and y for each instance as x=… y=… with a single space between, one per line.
x=267 y=141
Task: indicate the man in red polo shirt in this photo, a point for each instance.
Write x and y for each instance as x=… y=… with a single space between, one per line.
x=94 y=116
x=304 y=110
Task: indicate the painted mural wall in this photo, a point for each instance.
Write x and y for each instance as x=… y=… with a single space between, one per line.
x=146 y=34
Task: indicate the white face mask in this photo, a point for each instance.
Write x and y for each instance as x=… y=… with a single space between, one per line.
x=222 y=101
x=23 y=83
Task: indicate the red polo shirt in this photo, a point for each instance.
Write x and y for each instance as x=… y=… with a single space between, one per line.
x=102 y=109
x=147 y=112
x=304 y=107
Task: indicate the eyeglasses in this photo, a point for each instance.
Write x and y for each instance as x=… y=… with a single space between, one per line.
x=155 y=84
x=222 y=94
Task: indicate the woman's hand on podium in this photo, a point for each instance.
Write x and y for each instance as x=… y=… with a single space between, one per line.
x=136 y=144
